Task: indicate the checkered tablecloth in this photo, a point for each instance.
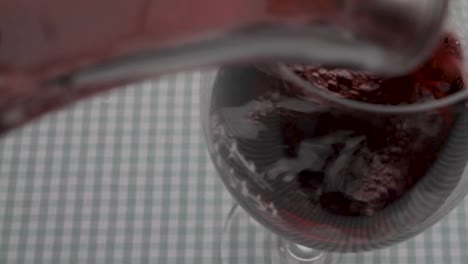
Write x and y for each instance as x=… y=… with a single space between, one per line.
x=125 y=178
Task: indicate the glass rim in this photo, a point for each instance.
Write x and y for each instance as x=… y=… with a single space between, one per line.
x=288 y=75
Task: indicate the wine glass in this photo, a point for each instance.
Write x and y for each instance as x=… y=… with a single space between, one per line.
x=331 y=168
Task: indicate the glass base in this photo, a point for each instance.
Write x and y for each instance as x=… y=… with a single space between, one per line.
x=245 y=241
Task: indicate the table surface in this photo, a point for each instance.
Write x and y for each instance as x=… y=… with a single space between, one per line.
x=125 y=178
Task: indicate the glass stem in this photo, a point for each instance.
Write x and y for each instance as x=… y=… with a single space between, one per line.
x=296 y=254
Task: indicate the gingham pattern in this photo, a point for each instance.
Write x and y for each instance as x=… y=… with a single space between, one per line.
x=124 y=178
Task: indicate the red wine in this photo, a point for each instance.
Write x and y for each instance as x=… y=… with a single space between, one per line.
x=325 y=174
x=437 y=78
